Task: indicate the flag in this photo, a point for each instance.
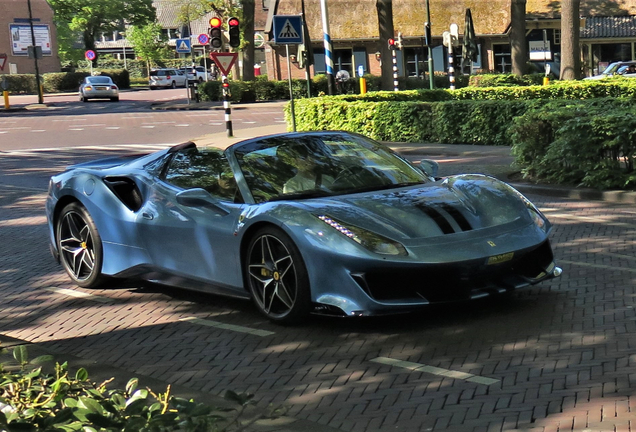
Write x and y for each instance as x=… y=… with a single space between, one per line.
x=469 y=47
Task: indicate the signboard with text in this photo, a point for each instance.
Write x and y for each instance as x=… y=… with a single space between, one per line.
x=540 y=50
x=21 y=38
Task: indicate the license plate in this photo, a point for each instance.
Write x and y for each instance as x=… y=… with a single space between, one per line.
x=101 y=88
x=498 y=259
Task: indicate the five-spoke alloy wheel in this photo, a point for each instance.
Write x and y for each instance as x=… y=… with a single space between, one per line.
x=277 y=276
x=79 y=245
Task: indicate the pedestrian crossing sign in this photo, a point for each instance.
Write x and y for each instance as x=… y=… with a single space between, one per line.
x=183 y=45
x=288 y=29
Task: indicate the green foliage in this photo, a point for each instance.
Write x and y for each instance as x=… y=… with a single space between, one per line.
x=592 y=143
x=90 y=17
x=63 y=81
x=21 y=83
x=32 y=400
x=504 y=80
x=149 y=42
x=482 y=122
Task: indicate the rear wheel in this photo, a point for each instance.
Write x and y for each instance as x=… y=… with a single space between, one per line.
x=277 y=277
x=114 y=99
x=80 y=246
x=173 y=85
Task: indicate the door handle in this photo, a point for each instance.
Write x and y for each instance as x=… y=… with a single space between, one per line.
x=147 y=215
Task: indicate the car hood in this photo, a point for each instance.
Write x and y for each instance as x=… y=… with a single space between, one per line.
x=453 y=205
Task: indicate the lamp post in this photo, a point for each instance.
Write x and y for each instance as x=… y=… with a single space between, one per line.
x=35 y=56
x=431 y=82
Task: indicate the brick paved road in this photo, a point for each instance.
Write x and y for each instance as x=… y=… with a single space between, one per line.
x=558 y=356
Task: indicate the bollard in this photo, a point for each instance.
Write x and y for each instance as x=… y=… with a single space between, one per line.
x=363 y=85
x=5 y=94
x=546 y=80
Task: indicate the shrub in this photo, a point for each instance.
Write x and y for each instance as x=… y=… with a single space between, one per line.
x=504 y=80
x=63 y=81
x=21 y=83
x=587 y=143
x=31 y=400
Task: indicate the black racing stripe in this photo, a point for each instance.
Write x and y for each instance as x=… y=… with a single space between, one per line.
x=440 y=220
x=458 y=216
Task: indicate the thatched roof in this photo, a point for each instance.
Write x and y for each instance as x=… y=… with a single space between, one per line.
x=358 y=19
x=552 y=8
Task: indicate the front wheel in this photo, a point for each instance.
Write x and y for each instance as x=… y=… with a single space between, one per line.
x=80 y=246
x=277 y=277
x=173 y=85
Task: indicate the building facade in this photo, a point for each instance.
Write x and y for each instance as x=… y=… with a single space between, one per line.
x=608 y=33
x=16 y=37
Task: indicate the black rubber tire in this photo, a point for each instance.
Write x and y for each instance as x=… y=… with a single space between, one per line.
x=114 y=99
x=289 y=294
x=86 y=241
x=173 y=85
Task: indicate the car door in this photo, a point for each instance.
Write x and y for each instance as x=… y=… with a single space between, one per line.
x=196 y=241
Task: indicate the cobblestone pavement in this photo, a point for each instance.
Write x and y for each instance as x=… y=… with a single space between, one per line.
x=555 y=357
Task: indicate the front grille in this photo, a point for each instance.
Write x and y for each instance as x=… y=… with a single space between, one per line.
x=453 y=282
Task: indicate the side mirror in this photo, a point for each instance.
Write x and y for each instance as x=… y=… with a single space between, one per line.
x=429 y=167
x=199 y=197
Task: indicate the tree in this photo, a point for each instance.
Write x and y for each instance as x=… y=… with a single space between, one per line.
x=149 y=42
x=570 y=49
x=518 y=44
x=247 y=44
x=92 y=17
x=386 y=30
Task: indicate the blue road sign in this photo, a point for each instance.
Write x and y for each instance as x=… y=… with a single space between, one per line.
x=90 y=55
x=288 y=29
x=183 y=45
x=203 y=39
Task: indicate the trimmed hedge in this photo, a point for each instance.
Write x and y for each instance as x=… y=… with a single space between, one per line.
x=479 y=122
x=62 y=81
x=591 y=143
x=505 y=80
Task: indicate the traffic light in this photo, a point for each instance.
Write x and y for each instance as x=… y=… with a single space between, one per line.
x=391 y=44
x=234 y=32
x=216 y=35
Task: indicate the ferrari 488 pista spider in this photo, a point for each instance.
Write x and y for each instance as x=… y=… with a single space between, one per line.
x=322 y=222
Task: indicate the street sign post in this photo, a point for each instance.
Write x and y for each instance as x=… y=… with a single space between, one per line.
x=288 y=29
x=183 y=46
x=224 y=61
x=90 y=56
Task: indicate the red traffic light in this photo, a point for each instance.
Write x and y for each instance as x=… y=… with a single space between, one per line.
x=215 y=22
x=391 y=41
x=233 y=22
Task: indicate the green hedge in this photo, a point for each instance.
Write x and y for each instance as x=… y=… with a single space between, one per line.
x=479 y=122
x=591 y=143
x=505 y=80
x=62 y=81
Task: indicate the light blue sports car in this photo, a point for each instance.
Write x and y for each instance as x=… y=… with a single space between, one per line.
x=319 y=222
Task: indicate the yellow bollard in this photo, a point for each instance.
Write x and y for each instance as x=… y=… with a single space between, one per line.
x=363 y=85
x=546 y=80
x=6 y=99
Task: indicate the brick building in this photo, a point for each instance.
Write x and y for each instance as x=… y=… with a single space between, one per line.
x=608 y=33
x=15 y=37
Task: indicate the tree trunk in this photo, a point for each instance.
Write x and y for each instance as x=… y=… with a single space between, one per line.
x=248 y=36
x=385 y=25
x=570 y=49
x=518 y=43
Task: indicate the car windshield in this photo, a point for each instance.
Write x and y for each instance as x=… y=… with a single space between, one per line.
x=300 y=167
x=99 y=80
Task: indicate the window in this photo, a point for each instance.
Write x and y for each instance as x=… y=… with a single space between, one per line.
x=557 y=36
x=207 y=169
x=503 y=59
x=342 y=60
x=415 y=61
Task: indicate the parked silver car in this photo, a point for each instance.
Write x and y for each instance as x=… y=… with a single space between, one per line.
x=98 y=87
x=172 y=78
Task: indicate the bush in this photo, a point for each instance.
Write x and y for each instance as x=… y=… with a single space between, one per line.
x=63 y=81
x=31 y=400
x=588 y=143
x=504 y=80
x=21 y=83
x=481 y=122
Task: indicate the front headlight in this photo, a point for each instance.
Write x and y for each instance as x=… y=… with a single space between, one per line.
x=372 y=241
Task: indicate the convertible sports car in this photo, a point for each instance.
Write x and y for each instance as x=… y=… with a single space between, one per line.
x=318 y=222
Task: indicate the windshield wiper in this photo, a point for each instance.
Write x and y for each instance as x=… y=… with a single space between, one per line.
x=318 y=193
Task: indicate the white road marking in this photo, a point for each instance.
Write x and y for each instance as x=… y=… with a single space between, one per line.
x=147 y=127
x=249 y=122
x=79 y=294
x=38 y=130
x=232 y=327
x=419 y=367
x=76 y=129
x=70 y=120
x=182 y=125
x=281 y=121
x=1 y=132
x=112 y=127
x=89 y=125
x=215 y=124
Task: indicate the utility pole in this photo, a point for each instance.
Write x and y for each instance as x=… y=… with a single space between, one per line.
x=328 y=46
x=35 y=56
x=428 y=33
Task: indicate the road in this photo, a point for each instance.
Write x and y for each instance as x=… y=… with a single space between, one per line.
x=69 y=123
x=555 y=357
